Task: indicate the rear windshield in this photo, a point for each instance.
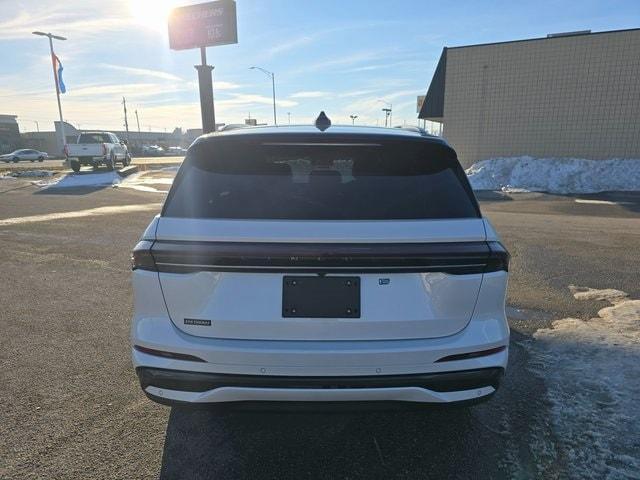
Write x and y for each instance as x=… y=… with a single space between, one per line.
x=94 y=138
x=240 y=179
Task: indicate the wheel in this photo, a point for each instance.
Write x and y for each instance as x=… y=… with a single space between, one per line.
x=41 y=159
x=75 y=165
x=126 y=160
x=33 y=160
x=109 y=163
x=16 y=159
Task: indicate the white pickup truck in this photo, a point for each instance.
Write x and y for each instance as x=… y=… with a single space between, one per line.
x=97 y=148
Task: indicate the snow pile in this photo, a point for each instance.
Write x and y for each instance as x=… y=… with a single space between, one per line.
x=591 y=369
x=146 y=182
x=555 y=175
x=74 y=180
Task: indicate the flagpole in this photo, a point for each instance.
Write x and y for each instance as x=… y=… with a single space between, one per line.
x=55 y=77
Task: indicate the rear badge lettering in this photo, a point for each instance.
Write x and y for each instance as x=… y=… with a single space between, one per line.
x=384 y=281
x=197 y=321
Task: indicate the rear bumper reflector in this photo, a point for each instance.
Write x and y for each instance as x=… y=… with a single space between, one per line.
x=467 y=356
x=172 y=355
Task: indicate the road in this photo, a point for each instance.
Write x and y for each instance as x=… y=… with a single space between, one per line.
x=72 y=407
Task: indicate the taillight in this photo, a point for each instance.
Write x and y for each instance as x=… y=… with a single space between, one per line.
x=104 y=149
x=141 y=257
x=498 y=258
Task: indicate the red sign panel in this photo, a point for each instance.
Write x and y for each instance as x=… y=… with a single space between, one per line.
x=203 y=25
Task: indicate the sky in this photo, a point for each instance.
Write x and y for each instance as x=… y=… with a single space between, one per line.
x=345 y=57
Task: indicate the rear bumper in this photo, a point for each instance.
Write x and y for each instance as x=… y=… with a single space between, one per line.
x=179 y=387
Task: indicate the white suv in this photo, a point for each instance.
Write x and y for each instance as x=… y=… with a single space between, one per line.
x=320 y=264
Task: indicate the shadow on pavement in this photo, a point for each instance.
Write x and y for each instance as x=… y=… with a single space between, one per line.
x=490 y=440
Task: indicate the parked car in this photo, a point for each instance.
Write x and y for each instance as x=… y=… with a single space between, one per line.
x=322 y=264
x=176 y=151
x=153 y=151
x=98 y=148
x=24 y=154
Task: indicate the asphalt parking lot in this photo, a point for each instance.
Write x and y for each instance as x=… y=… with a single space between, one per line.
x=72 y=407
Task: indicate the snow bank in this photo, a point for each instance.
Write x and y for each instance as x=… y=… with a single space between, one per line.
x=555 y=175
x=74 y=180
x=591 y=369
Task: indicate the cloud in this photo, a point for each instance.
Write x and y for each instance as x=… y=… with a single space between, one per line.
x=242 y=99
x=291 y=44
x=310 y=94
x=144 y=72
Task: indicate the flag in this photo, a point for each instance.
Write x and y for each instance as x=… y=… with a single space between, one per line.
x=58 y=68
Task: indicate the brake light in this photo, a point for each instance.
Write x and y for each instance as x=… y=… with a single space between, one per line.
x=141 y=257
x=498 y=258
x=104 y=149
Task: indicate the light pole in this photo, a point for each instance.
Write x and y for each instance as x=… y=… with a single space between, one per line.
x=55 y=77
x=273 y=87
x=353 y=119
x=289 y=117
x=388 y=112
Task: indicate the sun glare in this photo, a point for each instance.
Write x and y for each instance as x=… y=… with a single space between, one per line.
x=152 y=14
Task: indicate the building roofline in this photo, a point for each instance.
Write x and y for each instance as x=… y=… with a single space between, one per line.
x=556 y=37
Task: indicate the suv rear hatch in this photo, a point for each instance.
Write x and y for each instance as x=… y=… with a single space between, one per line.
x=320 y=237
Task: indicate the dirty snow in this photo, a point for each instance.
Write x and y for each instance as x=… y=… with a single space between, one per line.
x=27 y=173
x=555 y=175
x=591 y=369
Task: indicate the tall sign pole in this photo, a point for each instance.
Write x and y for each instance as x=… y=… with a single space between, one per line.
x=200 y=26
x=55 y=77
x=205 y=83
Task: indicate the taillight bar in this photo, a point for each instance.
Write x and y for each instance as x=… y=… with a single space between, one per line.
x=456 y=258
x=142 y=258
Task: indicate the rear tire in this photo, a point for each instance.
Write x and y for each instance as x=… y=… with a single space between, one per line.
x=32 y=160
x=16 y=159
x=75 y=165
x=109 y=163
x=41 y=159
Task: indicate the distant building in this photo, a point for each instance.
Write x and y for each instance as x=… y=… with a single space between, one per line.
x=566 y=95
x=9 y=133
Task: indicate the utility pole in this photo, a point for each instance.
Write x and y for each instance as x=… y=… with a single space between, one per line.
x=55 y=77
x=126 y=122
x=387 y=113
x=138 y=121
x=289 y=117
x=353 y=119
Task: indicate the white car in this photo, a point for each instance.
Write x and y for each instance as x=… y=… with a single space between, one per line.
x=24 y=154
x=320 y=264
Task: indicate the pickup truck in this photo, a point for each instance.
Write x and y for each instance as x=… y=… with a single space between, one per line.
x=97 y=148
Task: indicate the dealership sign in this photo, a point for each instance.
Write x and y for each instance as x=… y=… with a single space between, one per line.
x=203 y=25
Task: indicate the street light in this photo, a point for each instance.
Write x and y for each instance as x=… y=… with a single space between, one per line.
x=273 y=86
x=353 y=119
x=388 y=112
x=50 y=36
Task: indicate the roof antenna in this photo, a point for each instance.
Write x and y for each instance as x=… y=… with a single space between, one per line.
x=322 y=122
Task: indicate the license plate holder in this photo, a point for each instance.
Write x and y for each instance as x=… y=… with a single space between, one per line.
x=320 y=297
